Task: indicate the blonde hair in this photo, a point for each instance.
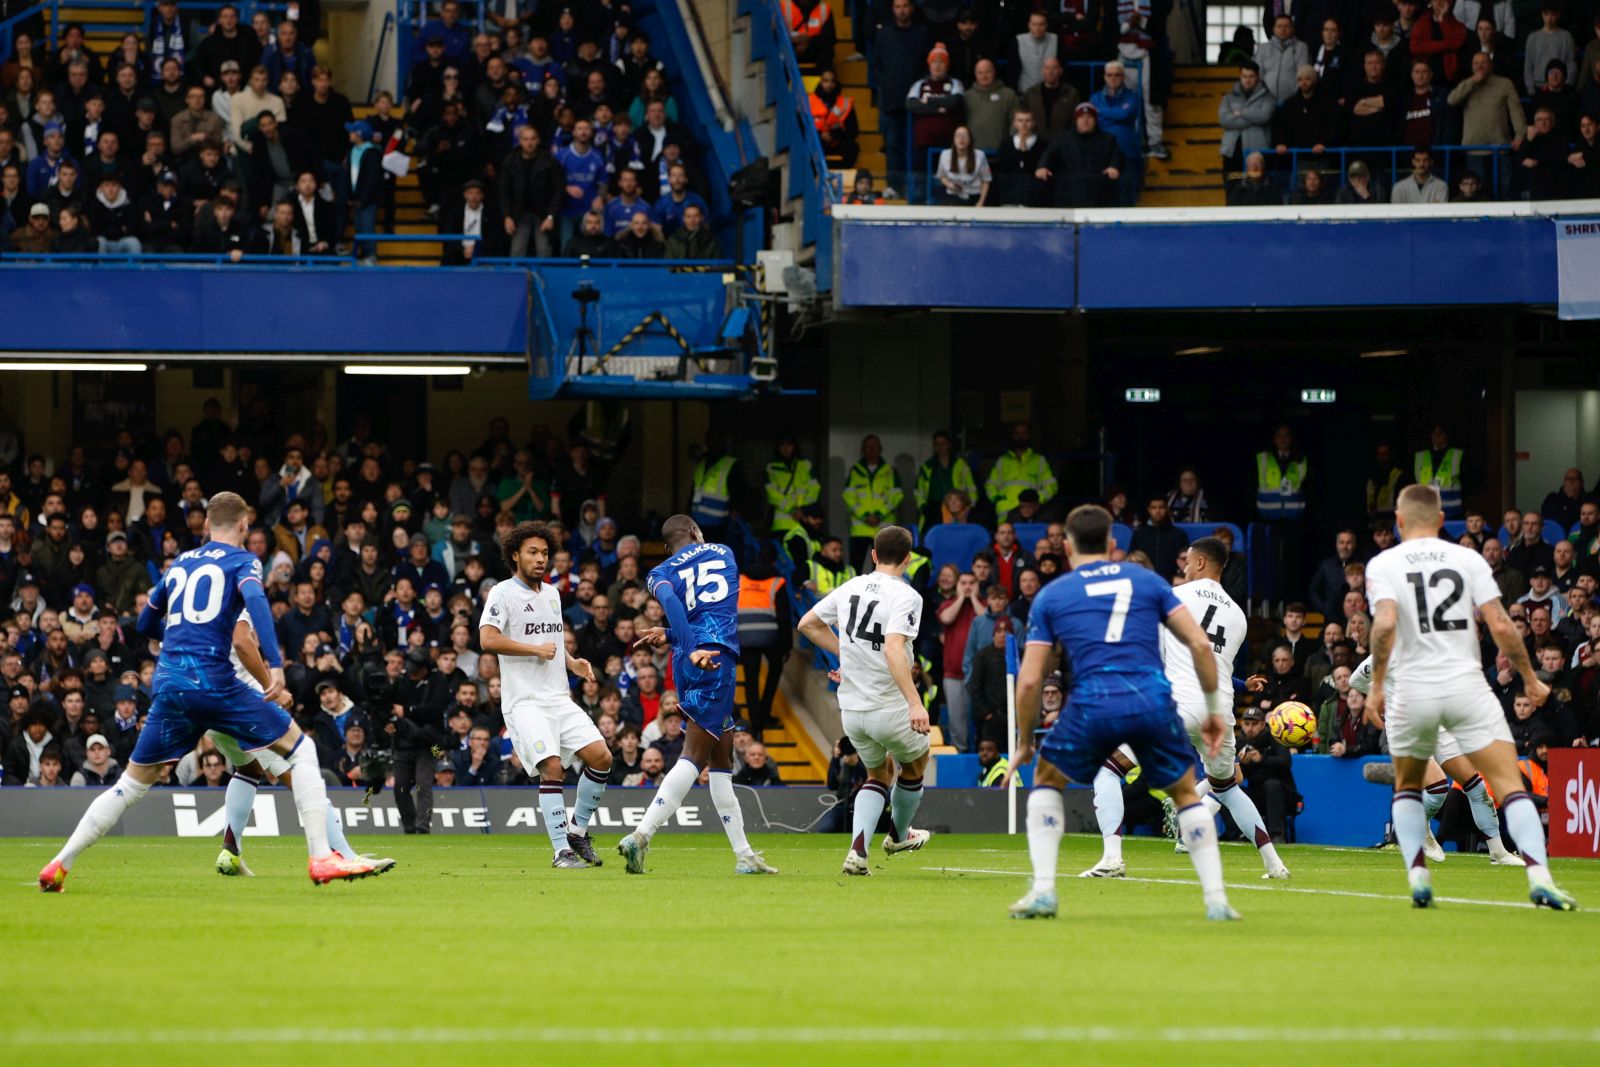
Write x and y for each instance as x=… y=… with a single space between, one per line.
x=224 y=510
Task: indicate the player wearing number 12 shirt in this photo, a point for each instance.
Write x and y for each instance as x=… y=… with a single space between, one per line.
x=1108 y=617
x=698 y=589
x=195 y=607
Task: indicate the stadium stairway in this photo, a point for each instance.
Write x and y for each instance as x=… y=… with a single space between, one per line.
x=410 y=216
x=799 y=760
x=1193 y=176
x=102 y=23
x=851 y=66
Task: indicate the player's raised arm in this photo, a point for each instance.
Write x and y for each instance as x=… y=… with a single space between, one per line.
x=1183 y=626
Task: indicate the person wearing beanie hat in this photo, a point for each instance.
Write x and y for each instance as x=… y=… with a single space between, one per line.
x=936 y=107
x=1557 y=94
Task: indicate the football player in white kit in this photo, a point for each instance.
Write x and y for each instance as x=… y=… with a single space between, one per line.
x=522 y=624
x=878 y=615
x=1224 y=622
x=1423 y=592
x=1446 y=765
x=239 y=798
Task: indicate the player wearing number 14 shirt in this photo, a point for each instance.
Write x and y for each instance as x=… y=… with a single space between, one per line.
x=698 y=589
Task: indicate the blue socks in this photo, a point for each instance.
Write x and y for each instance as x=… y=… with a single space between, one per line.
x=553 y=808
x=591 y=786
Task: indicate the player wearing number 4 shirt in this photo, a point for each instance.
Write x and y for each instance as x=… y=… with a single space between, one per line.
x=1424 y=592
x=1224 y=624
x=196 y=605
x=522 y=624
x=698 y=589
x=1108 y=617
x=877 y=616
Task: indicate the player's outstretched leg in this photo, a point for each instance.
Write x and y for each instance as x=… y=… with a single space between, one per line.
x=746 y=859
x=1197 y=828
x=1527 y=833
x=1487 y=821
x=1108 y=813
x=311 y=801
x=1247 y=817
x=104 y=812
x=904 y=800
x=237 y=803
x=1046 y=823
x=674 y=787
x=872 y=798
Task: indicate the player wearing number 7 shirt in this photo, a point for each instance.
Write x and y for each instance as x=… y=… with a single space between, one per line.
x=878 y=616
x=196 y=604
x=698 y=589
x=1424 y=593
x=1108 y=617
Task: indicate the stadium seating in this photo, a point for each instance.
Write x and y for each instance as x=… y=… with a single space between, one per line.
x=956 y=544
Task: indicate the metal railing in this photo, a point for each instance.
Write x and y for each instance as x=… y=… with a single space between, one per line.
x=1399 y=157
x=170 y=259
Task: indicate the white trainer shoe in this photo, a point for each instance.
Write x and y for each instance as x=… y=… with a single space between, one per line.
x=1432 y=849
x=753 y=863
x=914 y=840
x=856 y=864
x=1103 y=869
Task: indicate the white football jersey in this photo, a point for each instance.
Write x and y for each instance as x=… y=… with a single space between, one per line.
x=865 y=610
x=1437 y=586
x=1224 y=623
x=532 y=616
x=239 y=669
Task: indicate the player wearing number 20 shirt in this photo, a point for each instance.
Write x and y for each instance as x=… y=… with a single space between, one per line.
x=704 y=578
x=196 y=604
x=1109 y=617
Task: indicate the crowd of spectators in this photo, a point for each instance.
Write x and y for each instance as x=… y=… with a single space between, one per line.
x=376 y=566
x=995 y=104
x=1517 y=97
x=551 y=133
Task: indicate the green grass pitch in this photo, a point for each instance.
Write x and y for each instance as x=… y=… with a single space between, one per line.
x=474 y=951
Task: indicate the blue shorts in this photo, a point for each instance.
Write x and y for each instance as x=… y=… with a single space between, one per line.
x=707 y=696
x=1088 y=732
x=178 y=717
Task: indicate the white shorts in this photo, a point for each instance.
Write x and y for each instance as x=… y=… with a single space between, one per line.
x=878 y=734
x=1221 y=765
x=237 y=757
x=1420 y=727
x=539 y=731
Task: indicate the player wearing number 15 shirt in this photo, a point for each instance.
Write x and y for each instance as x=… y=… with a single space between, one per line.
x=698 y=589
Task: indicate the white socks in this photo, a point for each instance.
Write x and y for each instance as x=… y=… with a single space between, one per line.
x=1483 y=814
x=104 y=812
x=1108 y=812
x=237 y=802
x=591 y=787
x=1200 y=835
x=1047 y=816
x=310 y=796
x=674 y=787
x=1434 y=796
x=1410 y=828
x=1527 y=834
x=870 y=802
x=728 y=809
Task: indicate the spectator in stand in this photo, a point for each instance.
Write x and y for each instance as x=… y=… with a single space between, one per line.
x=1498 y=46
x=1584 y=179
x=584 y=173
x=811 y=31
x=288 y=54
x=195 y=126
x=313 y=221
x=1279 y=59
x=1018 y=469
x=1531 y=550
x=1188 y=501
x=1255 y=189
x=872 y=495
x=475 y=217
x=1372 y=106
x=1308 y=119
x=112 y=217
x=1117 y=109
x=1548 y=42
x=833 y=113
x=1360 y=187
x=36 y=237
x=758 y=770
x=1327 y=588
x=1331 y=60
x=935 y=105
x=1311 y=189
x=1030 y=50
x=529 y=184
x=940 y=474
x=1245 y=115
x=279 y=154
x=1427 y=117
x=1018 y=159
x=1010 y=559
x=956 y=616
x=694 y=239
x=986 y=683
x=990 y=105
x=1422 y=186
x=1559 y=96
x=968 y=46
x=1543 y=159
x=1564 y=505
x=963 y=174
x=1053 y=101
x=1158 y=538
x=1268 y=779
x=1438 y=38
x=897 y=58
x=667 y=213
x=454 y=36
x=165 y=217
x=862 y=191
x=1082 y=166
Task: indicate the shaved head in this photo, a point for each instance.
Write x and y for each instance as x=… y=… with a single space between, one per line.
x=1418 y=510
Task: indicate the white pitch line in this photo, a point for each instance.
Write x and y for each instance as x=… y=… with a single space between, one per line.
x=1257 y=888
x=807 y=1035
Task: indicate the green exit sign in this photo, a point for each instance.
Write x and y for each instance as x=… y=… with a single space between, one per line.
x=1317 y=396
x=1142 y=396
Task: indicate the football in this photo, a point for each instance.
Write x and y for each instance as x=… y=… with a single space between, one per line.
x=1292 y=724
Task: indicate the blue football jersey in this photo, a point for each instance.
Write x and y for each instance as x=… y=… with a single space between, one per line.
x=1108 y=617
x=198 y=602
x=705 y=579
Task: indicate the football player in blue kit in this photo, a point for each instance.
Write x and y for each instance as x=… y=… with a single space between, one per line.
x=698 y=588
x=1108 y=616
x=196 y=605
